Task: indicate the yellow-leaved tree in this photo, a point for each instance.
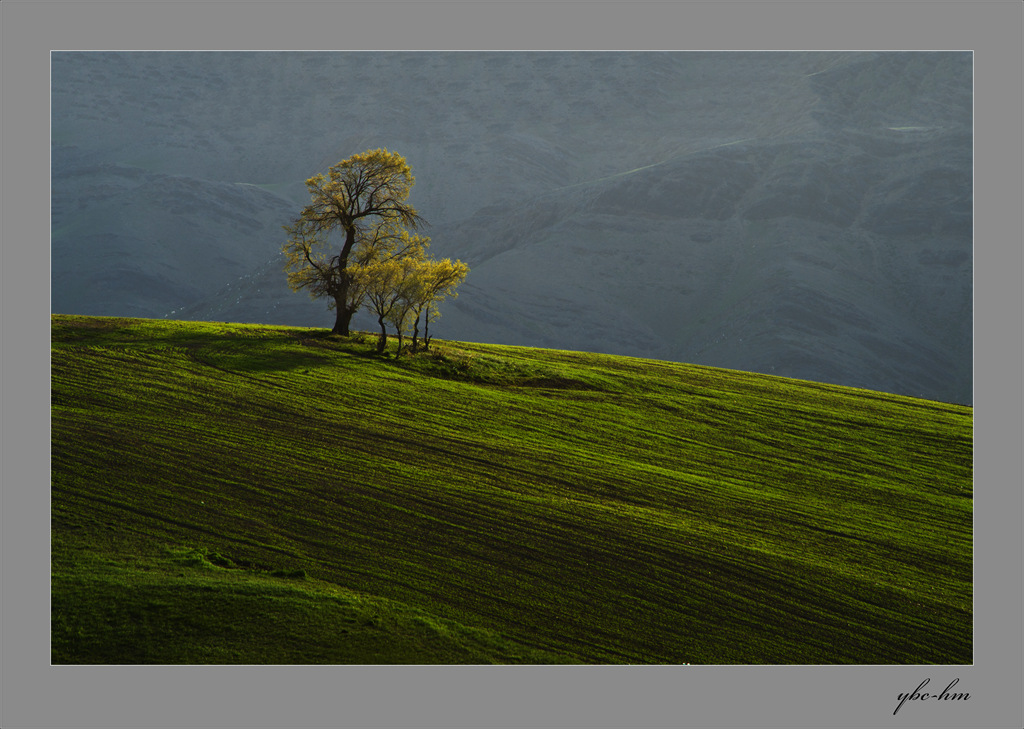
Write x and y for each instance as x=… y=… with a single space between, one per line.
x=434 y=282
x=358 y=213
x=403 y=291
x=385 y=283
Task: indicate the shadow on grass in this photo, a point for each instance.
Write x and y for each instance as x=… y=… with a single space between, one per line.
x=243 y=348
x=251 y=349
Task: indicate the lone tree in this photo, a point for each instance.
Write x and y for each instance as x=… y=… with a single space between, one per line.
x=362 y=201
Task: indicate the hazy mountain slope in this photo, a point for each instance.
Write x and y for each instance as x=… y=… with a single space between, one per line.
x=129 y=241
x=493 y=127
x=843 y=266
x=807 y=214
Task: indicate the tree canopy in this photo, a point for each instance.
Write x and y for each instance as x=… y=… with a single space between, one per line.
x=406 y=291
x=355 y=245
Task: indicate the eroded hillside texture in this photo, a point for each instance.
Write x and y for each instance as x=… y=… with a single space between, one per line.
x=802 y=214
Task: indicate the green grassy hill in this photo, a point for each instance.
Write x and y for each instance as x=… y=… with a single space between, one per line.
x=227 y=493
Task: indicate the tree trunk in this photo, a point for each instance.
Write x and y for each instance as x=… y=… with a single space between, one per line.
x=415 y=333
x=341 y=321
x=344 y=315
x=382 y=340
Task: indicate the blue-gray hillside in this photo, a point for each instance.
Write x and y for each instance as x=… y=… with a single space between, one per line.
x=805 y=214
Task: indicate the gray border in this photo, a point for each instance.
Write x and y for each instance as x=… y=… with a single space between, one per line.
x=36 y=694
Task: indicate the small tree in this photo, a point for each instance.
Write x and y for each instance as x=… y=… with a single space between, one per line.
x=402 y=291
x=437 y=280
x=386 y=284
x=401 y=313
x=426 y=284
x=362 y=200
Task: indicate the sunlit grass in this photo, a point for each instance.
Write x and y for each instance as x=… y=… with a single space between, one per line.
x=539 y=505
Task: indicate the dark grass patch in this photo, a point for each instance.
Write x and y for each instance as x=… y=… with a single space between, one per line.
x=158 y=611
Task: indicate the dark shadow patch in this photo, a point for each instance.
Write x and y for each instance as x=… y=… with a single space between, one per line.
x=558 y=383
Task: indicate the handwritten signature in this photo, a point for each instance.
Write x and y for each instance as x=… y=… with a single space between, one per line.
x=945 y=695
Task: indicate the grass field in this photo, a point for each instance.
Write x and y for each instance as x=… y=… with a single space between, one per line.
x=228 y=493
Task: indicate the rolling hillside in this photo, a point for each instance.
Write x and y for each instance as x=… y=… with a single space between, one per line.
x=232 y=493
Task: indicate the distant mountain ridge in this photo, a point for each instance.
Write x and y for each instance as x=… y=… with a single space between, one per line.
x=803 y=214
